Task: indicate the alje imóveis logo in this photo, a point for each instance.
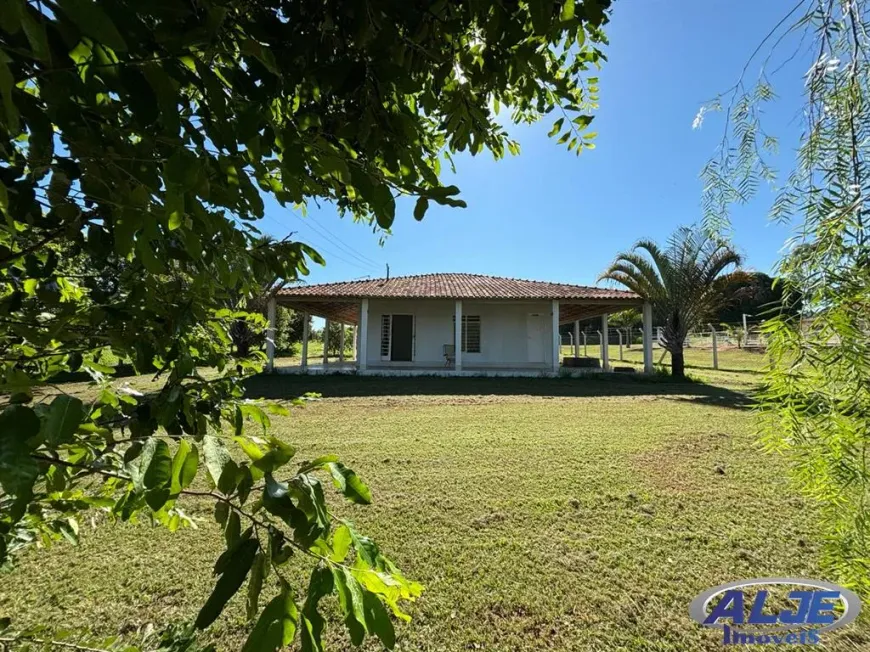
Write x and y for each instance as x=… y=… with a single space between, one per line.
x=743 y=610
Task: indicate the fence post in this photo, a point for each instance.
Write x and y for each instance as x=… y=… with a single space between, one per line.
x=715 y=348
x=270 y=335
x=619 y=332
x=341 y=342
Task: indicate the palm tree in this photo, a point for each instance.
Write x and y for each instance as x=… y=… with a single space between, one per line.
x=682 y=282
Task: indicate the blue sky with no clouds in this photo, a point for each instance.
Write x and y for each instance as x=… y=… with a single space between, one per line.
x=549 y=215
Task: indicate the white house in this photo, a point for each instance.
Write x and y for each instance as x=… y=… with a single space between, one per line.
x=456 y=324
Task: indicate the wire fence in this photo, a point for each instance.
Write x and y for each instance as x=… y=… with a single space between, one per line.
x=727 y=347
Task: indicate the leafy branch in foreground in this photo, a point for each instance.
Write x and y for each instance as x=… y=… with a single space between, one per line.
x=139 y=142
x=815 y=406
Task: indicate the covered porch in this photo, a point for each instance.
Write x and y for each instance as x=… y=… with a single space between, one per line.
x=413 y=337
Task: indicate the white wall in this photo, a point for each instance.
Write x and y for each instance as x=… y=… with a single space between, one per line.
x=503 y=331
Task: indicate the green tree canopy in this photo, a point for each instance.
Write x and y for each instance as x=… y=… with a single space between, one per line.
x=137 y=140
x=755 y=294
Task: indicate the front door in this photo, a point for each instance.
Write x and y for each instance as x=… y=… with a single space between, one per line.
x=402 y=345
x=536 y=326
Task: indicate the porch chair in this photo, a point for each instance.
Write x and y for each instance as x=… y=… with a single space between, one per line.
x=449 y=355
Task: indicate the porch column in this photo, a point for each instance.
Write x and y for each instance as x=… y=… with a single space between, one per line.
x=647 y=338
x=270 y=336
x=355 y=340
x=341 y=342
x=577 y=339
x=362 y=347
x=557 y=341
x=305 y=319
x=605 y=349
x=325 y=341
x=457 y=337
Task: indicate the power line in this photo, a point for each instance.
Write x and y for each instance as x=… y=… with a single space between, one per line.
x=322 y=230
x=330 y=253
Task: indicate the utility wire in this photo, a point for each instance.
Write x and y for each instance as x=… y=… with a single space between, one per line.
x=329 y=252
x=322 y=230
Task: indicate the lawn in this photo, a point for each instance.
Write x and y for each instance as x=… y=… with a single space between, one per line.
x=578 y=514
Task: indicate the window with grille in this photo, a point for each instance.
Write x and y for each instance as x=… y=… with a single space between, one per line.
x=386 y=323
x=470 y=333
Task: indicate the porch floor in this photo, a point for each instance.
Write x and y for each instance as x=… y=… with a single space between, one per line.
x=434 y=370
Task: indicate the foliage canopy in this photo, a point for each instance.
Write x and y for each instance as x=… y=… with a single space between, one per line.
x=816 y=402
x=137 y=140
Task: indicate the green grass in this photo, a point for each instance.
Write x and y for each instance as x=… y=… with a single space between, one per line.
x=315 y=354
x=578 y=514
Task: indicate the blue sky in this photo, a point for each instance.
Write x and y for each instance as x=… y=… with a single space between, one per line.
x=550 y=215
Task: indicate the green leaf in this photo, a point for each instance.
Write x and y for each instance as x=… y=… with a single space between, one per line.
x=256 y=413
x=221 y=512
x=348 y=482
x=278 y=455
x=229 y=478
x=567 y=11
x=233 y=529
x=174 y=207
x=138 y=464
x=184 y=466
x=277 y=501
x=4 y=199
x=318 y=463
x=159 y=471
x=228 y=584
x=93 y=22
x=341 y=541
x=216 y=457
x=182 y=169
x=310 y=620
x=378 y=620
x=264 y=55
x=9 y=23
x=541 y=12
x=18 y=471
x=7 y=83
x=350 y=598
x=255 y=584
x=557 y=127
x=276 y=626
x=34 y=29
x=308 y=494
x=420 y=208
x=384 y=205
x=167 y=98
x=63 y=419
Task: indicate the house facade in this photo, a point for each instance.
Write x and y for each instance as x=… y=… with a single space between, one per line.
x=455 y=324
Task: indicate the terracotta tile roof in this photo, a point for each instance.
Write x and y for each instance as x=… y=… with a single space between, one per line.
x=453 y=286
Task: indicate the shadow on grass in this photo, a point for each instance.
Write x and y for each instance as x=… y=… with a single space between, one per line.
x=346 y=386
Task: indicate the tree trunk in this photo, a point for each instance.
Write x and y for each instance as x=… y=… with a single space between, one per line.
x=678 y=365
x=675 y=336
